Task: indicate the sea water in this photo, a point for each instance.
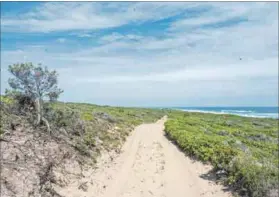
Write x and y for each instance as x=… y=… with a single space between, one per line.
x=260 y=112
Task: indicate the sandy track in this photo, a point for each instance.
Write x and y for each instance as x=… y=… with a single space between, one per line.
x=149 y=165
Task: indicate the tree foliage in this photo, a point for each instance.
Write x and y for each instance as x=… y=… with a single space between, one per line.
x=35 y=83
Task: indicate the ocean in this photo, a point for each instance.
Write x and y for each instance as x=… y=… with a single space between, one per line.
x=259 y=112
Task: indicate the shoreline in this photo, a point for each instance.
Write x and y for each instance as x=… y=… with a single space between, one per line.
x=227 y=113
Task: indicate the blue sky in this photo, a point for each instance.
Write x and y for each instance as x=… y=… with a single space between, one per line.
x=149 y=53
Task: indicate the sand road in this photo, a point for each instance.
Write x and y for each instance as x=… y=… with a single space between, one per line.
x=149 y=165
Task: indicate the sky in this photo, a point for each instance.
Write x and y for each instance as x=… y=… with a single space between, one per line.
x=149 y=53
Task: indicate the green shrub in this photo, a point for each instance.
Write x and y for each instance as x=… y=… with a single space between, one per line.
x=6 y=100
x=89 y=139
x=87 y=116
x=246 y=151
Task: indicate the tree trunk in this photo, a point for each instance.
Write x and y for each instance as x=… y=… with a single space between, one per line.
x=38 y=111
x=40 y=118
x=47 y=124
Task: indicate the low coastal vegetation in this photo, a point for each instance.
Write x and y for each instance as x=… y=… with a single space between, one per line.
x=89 y=123
x=115 y=123
x=80 y=133
x=243 y=151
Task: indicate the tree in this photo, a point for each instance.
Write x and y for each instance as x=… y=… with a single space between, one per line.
x=35 y=83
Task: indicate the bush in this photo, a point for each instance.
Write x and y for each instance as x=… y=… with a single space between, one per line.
x=6 y=100
x=247 y=158
x=87 y=116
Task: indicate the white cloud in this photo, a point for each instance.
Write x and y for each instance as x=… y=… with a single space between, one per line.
x=61 y=40
x=54 y=16
x=117 y=37
x=252 y=69
x=112 y=37
x=85 y=35
x=221 y=12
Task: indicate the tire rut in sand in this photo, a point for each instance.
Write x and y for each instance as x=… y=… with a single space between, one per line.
x=146 y=176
